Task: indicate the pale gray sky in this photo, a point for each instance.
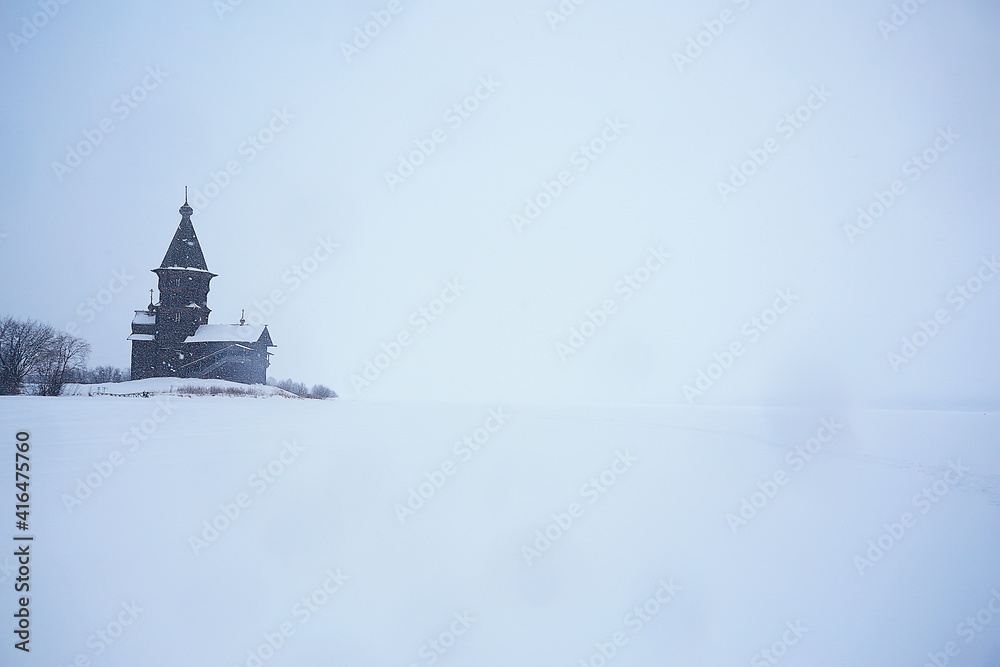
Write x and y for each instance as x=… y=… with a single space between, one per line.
x=202 y=86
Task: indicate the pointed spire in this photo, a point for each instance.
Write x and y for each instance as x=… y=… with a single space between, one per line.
x=184 y=250
x=150 y=309
x=186 y=210
x=242 y=315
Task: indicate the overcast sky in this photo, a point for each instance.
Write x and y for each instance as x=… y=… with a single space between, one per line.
x=834 y=100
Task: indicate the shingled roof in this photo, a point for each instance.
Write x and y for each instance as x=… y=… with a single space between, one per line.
x=184 y=251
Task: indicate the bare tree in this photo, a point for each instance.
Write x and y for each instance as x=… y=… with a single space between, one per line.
x=297 y=388
x=300 y=389
x=23 y=344
x=64 y=360
x=103 y=374
x=322 y=391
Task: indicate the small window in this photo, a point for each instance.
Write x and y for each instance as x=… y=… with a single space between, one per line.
x=177 y=317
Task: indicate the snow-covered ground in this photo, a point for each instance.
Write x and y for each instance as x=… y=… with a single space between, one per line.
x=226 y=531
x=170 y=385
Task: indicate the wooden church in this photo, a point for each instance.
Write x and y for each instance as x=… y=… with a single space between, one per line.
x=173 y=338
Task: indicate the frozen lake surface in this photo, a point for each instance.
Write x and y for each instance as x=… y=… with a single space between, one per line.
x=241 y=531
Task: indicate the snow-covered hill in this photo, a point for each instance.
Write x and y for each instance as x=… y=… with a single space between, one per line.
x=221 y=531
x=176 y=386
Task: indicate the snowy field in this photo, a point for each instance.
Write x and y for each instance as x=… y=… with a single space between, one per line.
x=227 y=531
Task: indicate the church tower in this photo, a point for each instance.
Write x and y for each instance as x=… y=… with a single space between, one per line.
x=173 y=338
x=183 y=284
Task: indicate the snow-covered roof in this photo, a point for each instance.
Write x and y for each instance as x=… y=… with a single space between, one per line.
x=226 y=332
x=141 y=337
x=143 y=317
x=184 y=268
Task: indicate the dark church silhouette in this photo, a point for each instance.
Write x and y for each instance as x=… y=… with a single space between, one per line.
x=173 y=338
